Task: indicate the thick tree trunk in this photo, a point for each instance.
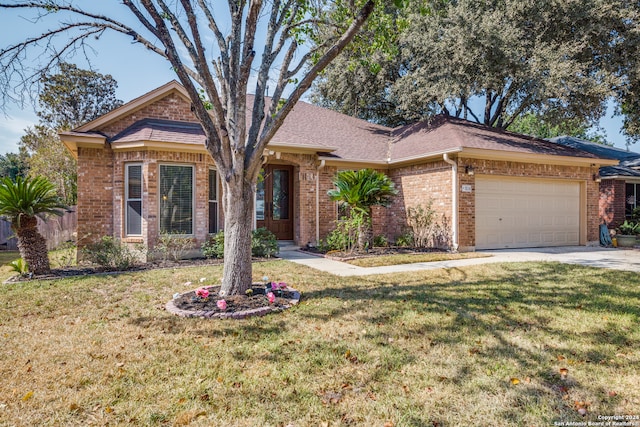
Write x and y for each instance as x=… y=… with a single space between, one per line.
x=238 y=224
x=32 y=246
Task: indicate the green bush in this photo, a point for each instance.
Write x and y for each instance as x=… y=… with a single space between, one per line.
x=263 y=244
x=380 y=241
x=214 y=246
x=110 y=254
x=20 y=266
x=405 y=240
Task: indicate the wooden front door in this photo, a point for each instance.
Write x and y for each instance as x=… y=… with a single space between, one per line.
x=274 y=201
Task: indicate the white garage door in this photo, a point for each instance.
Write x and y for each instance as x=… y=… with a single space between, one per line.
x=526 y=213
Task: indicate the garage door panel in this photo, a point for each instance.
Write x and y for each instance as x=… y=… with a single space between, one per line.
x=526 y=213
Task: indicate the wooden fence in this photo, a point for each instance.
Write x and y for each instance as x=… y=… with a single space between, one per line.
x=56 y=230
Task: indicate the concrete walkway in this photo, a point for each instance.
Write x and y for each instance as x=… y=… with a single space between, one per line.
x=618 y=259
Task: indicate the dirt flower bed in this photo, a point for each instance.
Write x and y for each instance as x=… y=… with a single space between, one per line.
x=260 y=299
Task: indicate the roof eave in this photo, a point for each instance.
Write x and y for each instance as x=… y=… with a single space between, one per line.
x=487 y=154
x=72 y=141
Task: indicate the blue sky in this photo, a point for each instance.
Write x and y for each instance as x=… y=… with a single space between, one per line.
x=136 y=70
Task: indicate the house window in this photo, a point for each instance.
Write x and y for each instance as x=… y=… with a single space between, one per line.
x=632 y=193
x=133 y=199
x=176 y=199
x=213 y=201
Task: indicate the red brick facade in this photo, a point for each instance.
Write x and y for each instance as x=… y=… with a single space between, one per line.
x=101 y=188
x=612 y=202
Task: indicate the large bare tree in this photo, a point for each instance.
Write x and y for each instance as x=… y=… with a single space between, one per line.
x=254 y=40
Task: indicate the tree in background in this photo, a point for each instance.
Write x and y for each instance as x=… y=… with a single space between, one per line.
x=68 y=99
x=22 y=201
x=489 y=62
x=73 y=96
x=360 y=190
x=533 y=125
x=49 y=158
x=13 y=165
x=220 y=50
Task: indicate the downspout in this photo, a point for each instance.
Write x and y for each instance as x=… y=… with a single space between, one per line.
x=454 y=201
x=320 y=166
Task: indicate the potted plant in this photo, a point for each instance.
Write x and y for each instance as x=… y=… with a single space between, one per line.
x=627 y=236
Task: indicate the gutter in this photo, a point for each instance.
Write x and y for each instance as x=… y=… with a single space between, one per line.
x=454 y=201
x=320 y=166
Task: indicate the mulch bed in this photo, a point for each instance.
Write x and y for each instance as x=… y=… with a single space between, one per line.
x=256 y=303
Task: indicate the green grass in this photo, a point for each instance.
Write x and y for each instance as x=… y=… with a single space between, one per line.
x=397 y=259
x=413 y=349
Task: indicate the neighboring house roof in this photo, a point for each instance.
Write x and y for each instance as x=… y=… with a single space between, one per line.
x=601 y=150
x=628 y=160
x=618 y=171
x=334 y=136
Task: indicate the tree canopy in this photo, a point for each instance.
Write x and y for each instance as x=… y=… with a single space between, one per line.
x=490 y=62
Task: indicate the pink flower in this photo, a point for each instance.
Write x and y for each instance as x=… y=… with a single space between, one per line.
x=202 y=293
x=222 y=304
x=280 y=285
x=271 y=297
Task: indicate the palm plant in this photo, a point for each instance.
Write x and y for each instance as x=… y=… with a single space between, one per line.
x=360 y=190
x=21 y=202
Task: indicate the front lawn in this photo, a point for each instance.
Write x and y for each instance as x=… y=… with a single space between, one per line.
x=500 y=345
x=397 y=259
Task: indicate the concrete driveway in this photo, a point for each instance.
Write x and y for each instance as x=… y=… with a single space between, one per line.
x=617 y=259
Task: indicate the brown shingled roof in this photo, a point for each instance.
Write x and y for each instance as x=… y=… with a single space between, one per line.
x=162 y=131
x=324 y=131
x=445 y=133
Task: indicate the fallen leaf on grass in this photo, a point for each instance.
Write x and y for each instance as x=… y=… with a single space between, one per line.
x=27 y=396
x=389 y=424
x=74 y=407
x=515 y=381
x=186 y=418
x=331 y=397
x=108 y=409
x=612 y=393
x=563 y=373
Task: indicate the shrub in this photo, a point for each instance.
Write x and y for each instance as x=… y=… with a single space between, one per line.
x=380 y=241
x=346 y=234
x=110 y=254
x=173 y=246
x=263 y=244
x=421 y=221
x=404 y=240
x=214 y=246
x=424 y=230
x=20 y=266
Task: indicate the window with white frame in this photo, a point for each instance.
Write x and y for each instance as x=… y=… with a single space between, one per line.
x=133 y=199
x=213 y=201
x=176 y=199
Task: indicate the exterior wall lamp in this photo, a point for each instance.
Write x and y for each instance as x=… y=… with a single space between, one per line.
x=469 y=170
x=596 y=177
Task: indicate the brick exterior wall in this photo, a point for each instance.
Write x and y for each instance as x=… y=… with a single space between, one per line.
x=95 y=194
x=171 y=107
x=612 y=202
x=416 y=185
x=101 y=188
